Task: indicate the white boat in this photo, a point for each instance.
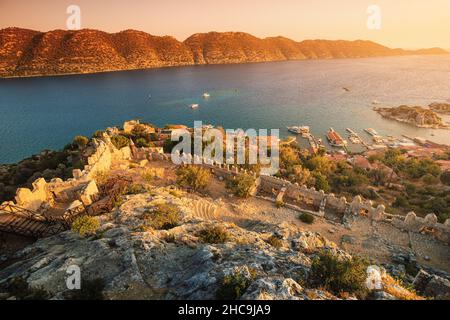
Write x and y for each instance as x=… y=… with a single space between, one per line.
x=372 y=132
x=194 y=106
x=303 y=130
x=206 y=95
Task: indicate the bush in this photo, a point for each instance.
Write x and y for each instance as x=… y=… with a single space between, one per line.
x=98 y=134
x=275 y=242
x=242 y=185
x=85 y=225
x=136 y=189
x=193 y=176
x=90 y=290
x=148 y=175
x=19 y=288
x=400 y=202
x=445 y=178
x=430 y=179
x=142 y=143
x=307 y=218
x=163 y=217
x=340 y=275
x=321 y=182
x=81 y=142
x=280 y=204
x=214 y=235
x=120 y=141
x=233 y=286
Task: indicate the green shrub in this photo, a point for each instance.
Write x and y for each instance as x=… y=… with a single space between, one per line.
x=98 y=134
x=321 y=182
x=81 y=142
x=307 y=218
x=233 y=286
x=19 y=288
x=90 y=290
x=280 y=204
x=430 y=179
x=142 y=143
x=163 y=217
x=242 y=185
x=445 y=178
x=214 y=235
x=85 y=225
x=148 y=175
x=120 y=141
x=339 y=275
x=275 y=242
x=136 y=189
x=194 y=177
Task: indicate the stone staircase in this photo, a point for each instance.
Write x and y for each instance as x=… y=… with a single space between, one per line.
x=206 y=210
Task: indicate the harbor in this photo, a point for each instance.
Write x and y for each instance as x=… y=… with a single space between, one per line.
x=356 y=142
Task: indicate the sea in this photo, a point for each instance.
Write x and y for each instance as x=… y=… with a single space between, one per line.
x=48 y=112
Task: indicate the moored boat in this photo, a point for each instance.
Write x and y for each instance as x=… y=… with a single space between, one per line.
x=303 y=130
x=335 y=139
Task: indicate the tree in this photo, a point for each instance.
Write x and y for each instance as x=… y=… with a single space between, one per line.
x=242 y=185
x=321 y=182
x=142 y=143
x=300 y=175
x=139 y=131
x=320 y=164
x=194 y=177
x=445 y=178
x=120 y=141
x=81 y=142
x=288 y=158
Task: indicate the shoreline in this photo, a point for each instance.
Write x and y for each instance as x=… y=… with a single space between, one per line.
x=52 y=75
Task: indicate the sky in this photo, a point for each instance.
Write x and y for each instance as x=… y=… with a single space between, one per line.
x=408 y=24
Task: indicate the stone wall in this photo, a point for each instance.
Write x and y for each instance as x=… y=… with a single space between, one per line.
x=319 y=199
x=81 y=187
x=34 y=198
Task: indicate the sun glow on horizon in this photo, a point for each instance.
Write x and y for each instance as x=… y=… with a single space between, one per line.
x=405 y=23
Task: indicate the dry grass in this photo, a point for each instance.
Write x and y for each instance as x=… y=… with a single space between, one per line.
x=395 y=288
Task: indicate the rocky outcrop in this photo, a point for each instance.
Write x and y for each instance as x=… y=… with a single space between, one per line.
x=432 y=285
x=143 y=263
x=443 y=108
x=417 y=116
x=31 y=53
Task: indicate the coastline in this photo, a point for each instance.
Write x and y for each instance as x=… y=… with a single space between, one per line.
x=50 y=75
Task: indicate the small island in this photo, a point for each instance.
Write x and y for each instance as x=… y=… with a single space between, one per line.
x=418 y=116
x=443 y=108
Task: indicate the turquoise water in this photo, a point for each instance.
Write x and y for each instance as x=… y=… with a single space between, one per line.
x=46 y=113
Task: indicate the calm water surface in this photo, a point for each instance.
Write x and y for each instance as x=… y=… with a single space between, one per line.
x=46 y=113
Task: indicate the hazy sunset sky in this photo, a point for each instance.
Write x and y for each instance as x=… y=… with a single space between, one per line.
x=405 y=23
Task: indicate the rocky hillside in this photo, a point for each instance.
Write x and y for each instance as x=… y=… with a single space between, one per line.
x=417 y=116
x=30 y=53
x=127 y=259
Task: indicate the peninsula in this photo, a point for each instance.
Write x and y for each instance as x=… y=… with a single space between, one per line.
x=416 y=116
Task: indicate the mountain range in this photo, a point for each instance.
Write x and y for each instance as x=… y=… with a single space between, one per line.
x=26 y=52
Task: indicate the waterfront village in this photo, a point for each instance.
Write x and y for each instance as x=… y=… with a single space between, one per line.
x=141 y=227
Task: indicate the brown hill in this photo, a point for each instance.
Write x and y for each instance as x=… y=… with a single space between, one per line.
x=30 y=53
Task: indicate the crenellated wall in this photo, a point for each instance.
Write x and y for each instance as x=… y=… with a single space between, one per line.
x=319 y=199
x=81 y=187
